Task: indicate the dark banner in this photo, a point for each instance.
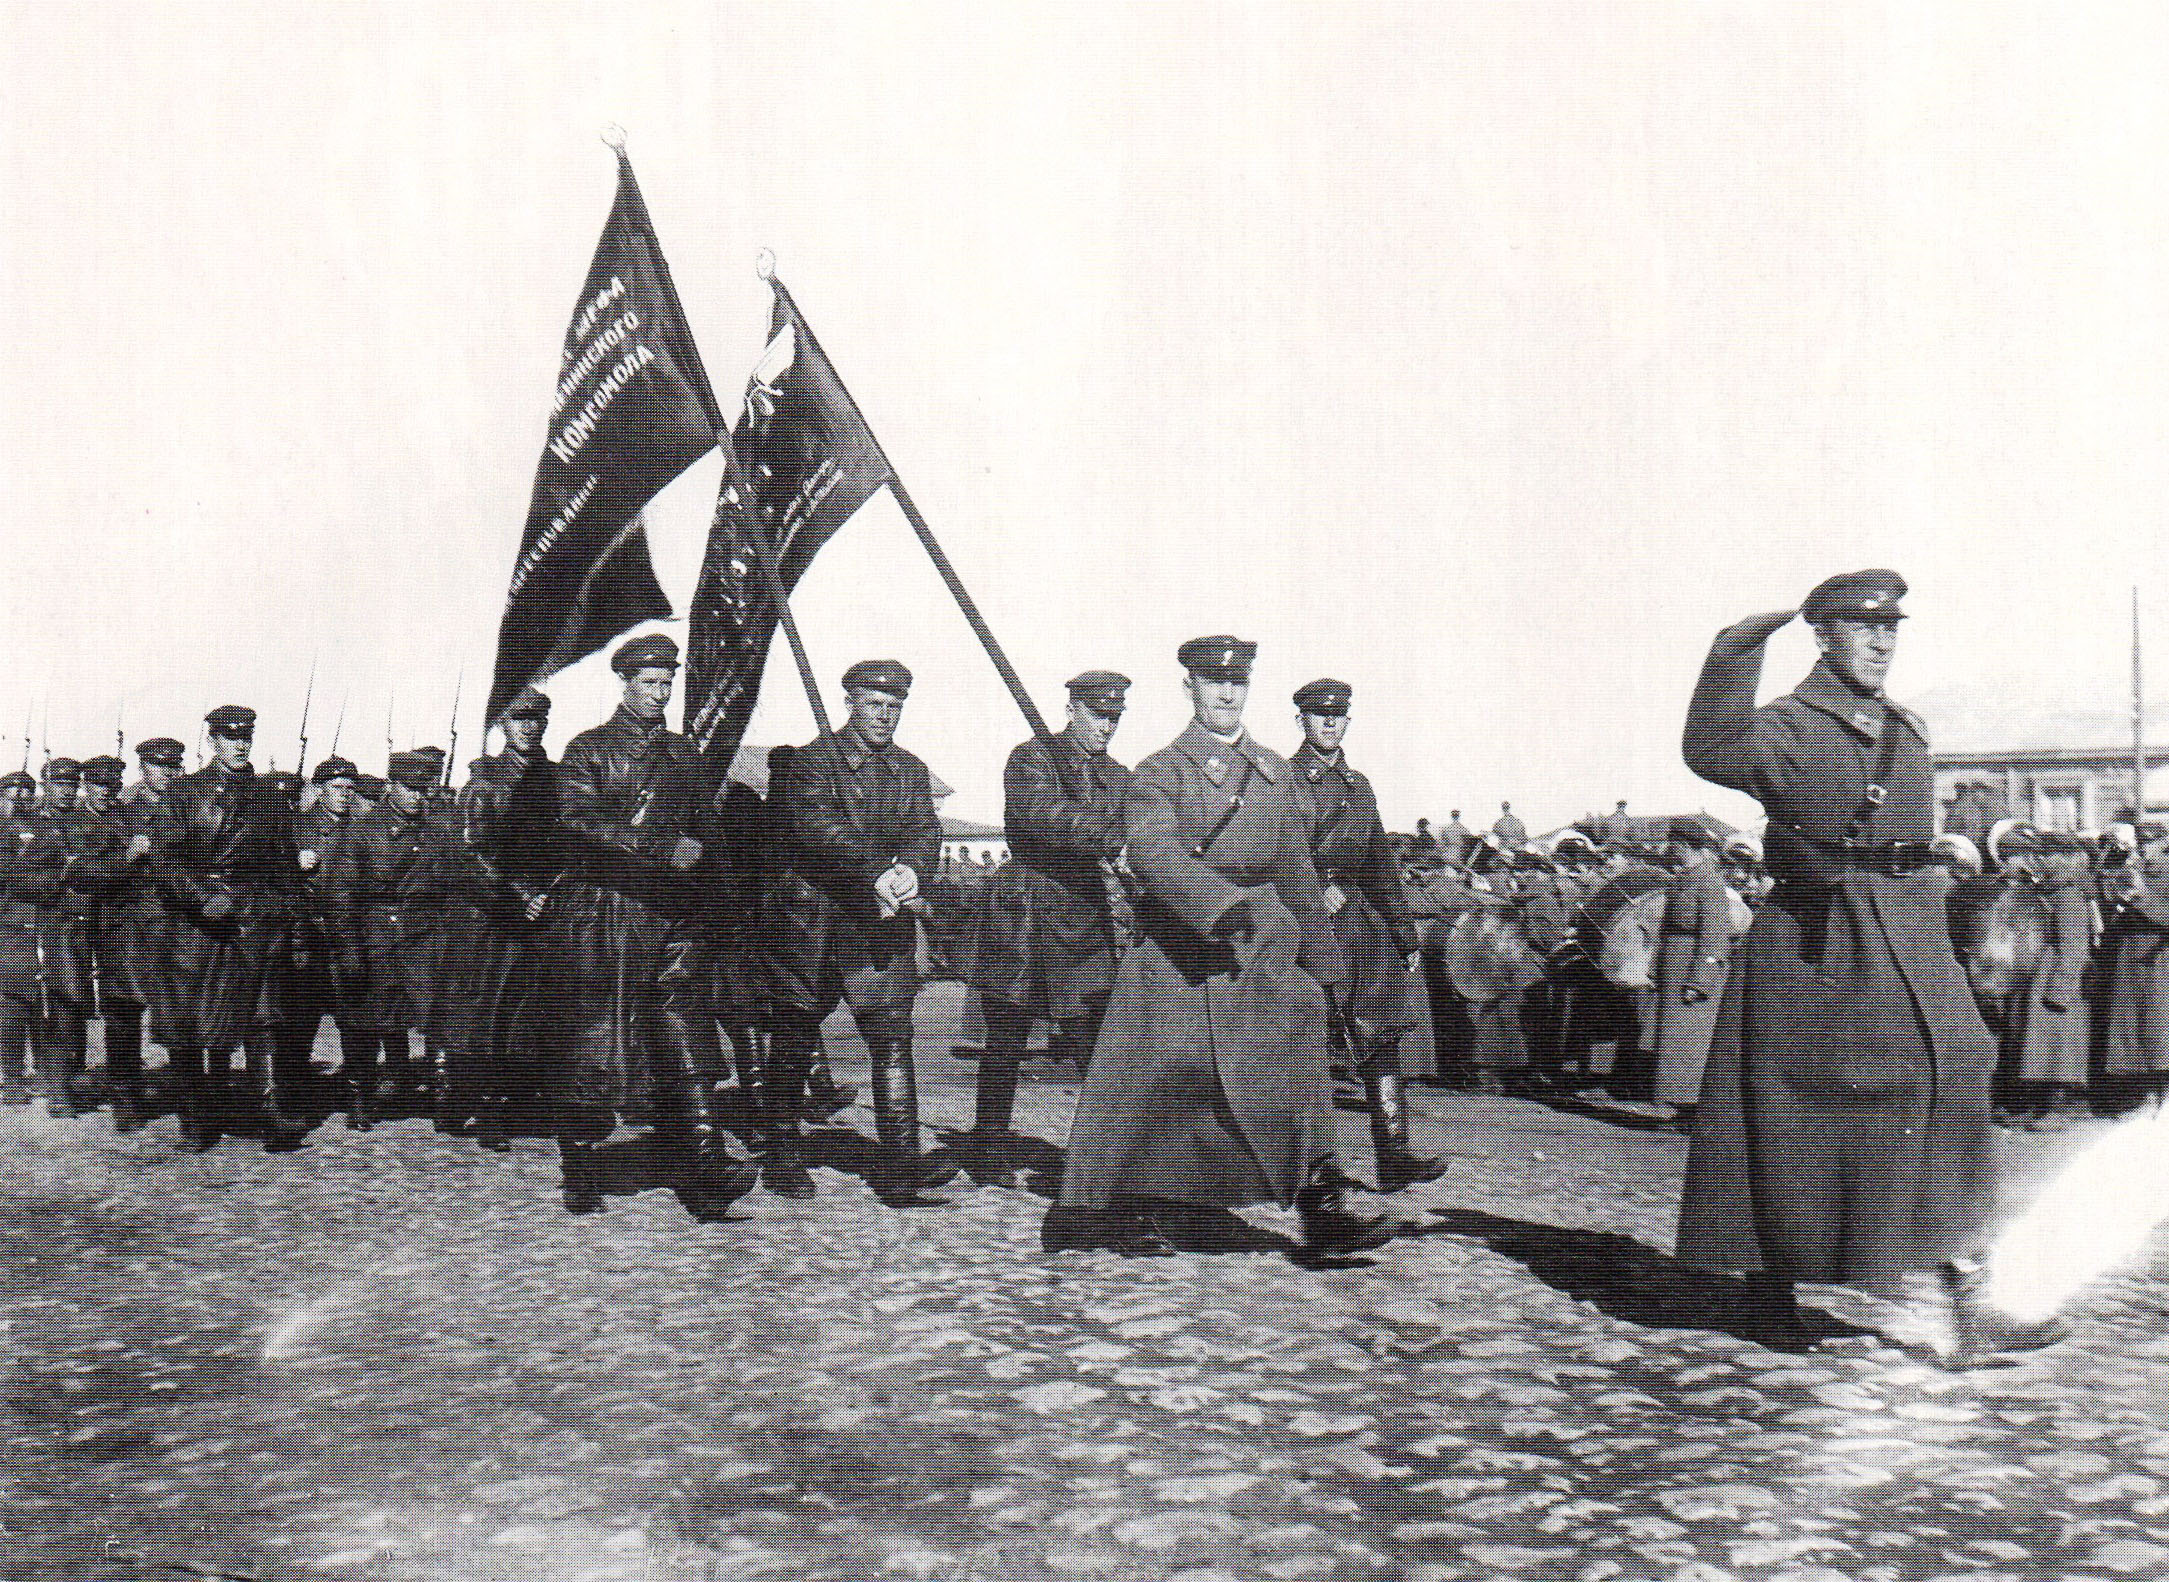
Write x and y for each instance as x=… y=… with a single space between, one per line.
x=631 y=413
x=808 y=461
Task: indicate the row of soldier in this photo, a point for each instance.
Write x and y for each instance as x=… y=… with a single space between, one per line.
x=585 y=936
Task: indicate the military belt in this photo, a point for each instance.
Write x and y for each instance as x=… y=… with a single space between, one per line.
x=1835 y=857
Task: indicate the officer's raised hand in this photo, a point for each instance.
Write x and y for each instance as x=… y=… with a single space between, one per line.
x=1744 y=637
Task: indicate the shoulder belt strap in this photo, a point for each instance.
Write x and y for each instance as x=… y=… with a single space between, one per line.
x=1227 y=814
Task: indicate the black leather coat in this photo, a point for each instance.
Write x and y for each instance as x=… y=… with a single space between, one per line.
x=229 y=835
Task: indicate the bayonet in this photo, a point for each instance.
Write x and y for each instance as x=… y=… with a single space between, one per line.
x=451 y=746
x=308 y=695
x=338 y=725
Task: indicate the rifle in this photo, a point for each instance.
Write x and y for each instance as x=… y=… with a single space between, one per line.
x=120 y=734
x=451 y=749
x=301 y=751
x=390 y=704
x=338 y=725
x=27 y=712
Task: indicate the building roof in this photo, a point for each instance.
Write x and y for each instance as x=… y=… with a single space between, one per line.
x=965 y=829
x=2112 y=758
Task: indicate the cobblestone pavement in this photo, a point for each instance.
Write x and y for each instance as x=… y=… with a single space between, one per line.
x=393 y=1356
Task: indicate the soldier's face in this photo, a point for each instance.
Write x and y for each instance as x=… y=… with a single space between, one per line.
x=1092 y=729
x=97 y=797
x=231 y=751
x=337 y=797
x=647 y=691
x=157 y=777
x=403 y=797
x=875 y=715
x=523 y=734
x=1324 y=732
x=1859 y=651
x=1217 y=705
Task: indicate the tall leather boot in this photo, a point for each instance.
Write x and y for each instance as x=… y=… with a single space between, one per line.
x=780 y=1087
x=824 y=1094
x=395 y=1070
x=57 y=1037
x=124 y=1063
x=580 y=1180
x=906 y=1175
x=712 y=1178
x=193 y=1101
x=448 y=1108
x=14 y=1051
x=1387 y=1100
x=283 y=1131
x=358 y=1070
x=992 y=1145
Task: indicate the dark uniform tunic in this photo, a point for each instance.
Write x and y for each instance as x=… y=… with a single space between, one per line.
x=388 y=899
x=318 y=985
x=1352 y=855
x=33 y=867
x=96 y=845
x=845 y=813
x=2046 y=1037
x=1045 y=937
x=2134 y=1005
x=226 y=833
x=1843 y=1132
x=1209 y=1083
x=635 y=934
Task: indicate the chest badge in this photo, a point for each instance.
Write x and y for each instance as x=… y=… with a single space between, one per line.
x=1864 y=722
x=1215 y=770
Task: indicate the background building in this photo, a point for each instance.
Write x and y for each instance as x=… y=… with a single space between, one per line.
x=2063 y=788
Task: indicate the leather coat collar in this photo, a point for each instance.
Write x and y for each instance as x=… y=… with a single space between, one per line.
x=1824 y=692
x=1212 y=755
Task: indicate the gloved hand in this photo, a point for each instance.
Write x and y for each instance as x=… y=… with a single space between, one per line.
x=218 y=908
x=1744 y=637
x=1335 y=899
x=684 y=852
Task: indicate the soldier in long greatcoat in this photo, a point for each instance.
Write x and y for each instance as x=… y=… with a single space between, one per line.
x=1045 y=939
x=505 y=857
x=634 y=919
x=1843 y=1133
x=135 y=983
x=1210 y=1083
x=857 y=835
x=2047 y=1034
x=1361 y=888
x=319 y=986
x=2132 y=1016
x=223 y=852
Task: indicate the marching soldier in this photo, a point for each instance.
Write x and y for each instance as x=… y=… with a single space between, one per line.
x=635 y=804
x=320 y=985
x=1047 y=938
x=93 y=864
x=1843 y=1131
x=1508 y=830
x=18 y=944
x=223 y=850
x=505 y=859
x=1363 y=898
x=134 y=938
x=387 y=902
x=1209 y=1084
x=857 y=831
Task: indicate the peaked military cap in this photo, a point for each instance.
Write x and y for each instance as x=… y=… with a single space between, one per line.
x=105 y=770
x=532 y=703
x=1326 y=696
x=435 y=754
x=335 y=768
x=285 y=782
x=161 y=750
x=1218 y=658
x=230 y=720
x=1856 y=596
x=1101 y=691
x=656 y=651
x=879 y=675
x=415 y=770
x=63 y=769
x=370 y=786
x=17 y=780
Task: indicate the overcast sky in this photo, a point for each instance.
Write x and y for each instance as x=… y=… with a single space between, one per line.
x=1487 y=357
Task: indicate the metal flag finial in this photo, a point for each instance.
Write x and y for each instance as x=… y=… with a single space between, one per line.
x=613 y=137
x=764 y=265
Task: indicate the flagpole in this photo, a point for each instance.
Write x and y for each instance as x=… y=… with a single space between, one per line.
x=734 y=484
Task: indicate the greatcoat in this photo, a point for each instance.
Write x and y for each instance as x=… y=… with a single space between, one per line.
x=1209 y=1083
x=133 y=927
x=637 y=935
x=388 y=901
x=1843 y=1132
x=2048 y=1036
x=231 y=834
x=844 y=812
x=2134 y=1004
x=1694 y=955
x=1044 y=937
x=1355 y=860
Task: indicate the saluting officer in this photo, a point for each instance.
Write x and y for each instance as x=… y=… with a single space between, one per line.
x=133 y=976
x=1843 y=1132
x=1046 y=939
x=857 y=831
x=1362 y=890
x=223 y=850
x=320 y=985
x=635 y=811
x=1209 y=1085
